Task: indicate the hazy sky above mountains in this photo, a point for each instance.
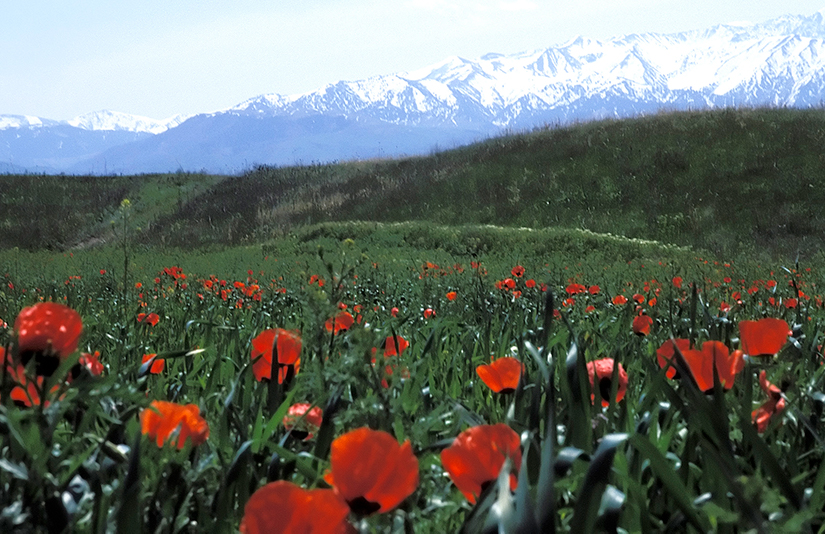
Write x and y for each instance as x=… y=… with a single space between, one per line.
x=159 y=57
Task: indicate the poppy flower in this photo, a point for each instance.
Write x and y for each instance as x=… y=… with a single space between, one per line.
x=665 y=353
x=429 y=313
x=603 y=371
x=157 y=365
x=289 y=352
x=303 y=420
x=342 y=322
x=25 y=392
x=764 y=337
x=151 y=318
x=475 y=458
x=162 y=419
x=714 y=353
x=575 y=289
x=501 y=375
x=394 y=311
x=451 y=295
x=283 y=507
x=517 y=271
x=389 y=346
x=49 y=332
x=90 y=362
x=641 y=325
x=618 y=300
x=774 y=405
x=677 y=282
x=371 y=471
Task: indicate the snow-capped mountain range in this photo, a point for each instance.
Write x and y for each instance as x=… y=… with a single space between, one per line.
x=780 y=62
x=104 y=120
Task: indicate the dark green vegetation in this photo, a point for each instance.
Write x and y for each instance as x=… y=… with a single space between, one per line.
x=729 y=181
x=665 y=458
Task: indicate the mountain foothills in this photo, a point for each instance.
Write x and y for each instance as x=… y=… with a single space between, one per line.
x=732 y=181
x=778 y=63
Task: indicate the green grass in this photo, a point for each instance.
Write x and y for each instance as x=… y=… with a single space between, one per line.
x=665 y=457
x=729 y=181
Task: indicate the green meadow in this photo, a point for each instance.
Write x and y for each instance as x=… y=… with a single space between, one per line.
x=544 y=246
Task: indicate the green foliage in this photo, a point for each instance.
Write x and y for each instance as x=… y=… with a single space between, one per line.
x=730 y=181
x=666 y=457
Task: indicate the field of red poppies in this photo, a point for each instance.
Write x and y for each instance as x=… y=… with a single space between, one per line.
x=377 y=389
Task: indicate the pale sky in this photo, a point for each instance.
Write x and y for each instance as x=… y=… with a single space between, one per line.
x=157 y=58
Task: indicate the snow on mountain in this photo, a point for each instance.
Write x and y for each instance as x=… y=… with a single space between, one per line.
x=701 y=67
x=23 y=121
x=104 y=120
x=114 y=121
x=780 y=62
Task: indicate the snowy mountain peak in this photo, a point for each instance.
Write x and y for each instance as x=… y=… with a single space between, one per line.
x=23 y=121
x=115 y=121
x=780 y=62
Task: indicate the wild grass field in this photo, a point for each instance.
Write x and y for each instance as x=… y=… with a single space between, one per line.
x=207 y=362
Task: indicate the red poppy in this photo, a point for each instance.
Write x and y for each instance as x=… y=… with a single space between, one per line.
x=701 y=363
x=342 y=322
x=25 y=392
x=394 y=311
x=677 y=282
x=665 y=353
x=289 y=352
x=90 y=362
x=371 y=471
x=286 y=508
x=594 y=290
x=575 y=289
x=49 y=332
x=642 y=324
x=429 y=313
x=530 y=283
x=157 y=365
x=501 y=375
x=476 y=456
x=389 y=346
x=764 y=337
x=162 y=419
x=152 y=318
x=451 y=295
x=603 y=370
x=517 y=271
x=774 y=405
x=509 y=283
x=303 y=420
x=618 y=300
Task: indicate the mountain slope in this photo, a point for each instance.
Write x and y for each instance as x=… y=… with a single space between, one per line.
x=731 y=181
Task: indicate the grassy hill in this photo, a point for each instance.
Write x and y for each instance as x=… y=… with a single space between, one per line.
x=731 y=181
